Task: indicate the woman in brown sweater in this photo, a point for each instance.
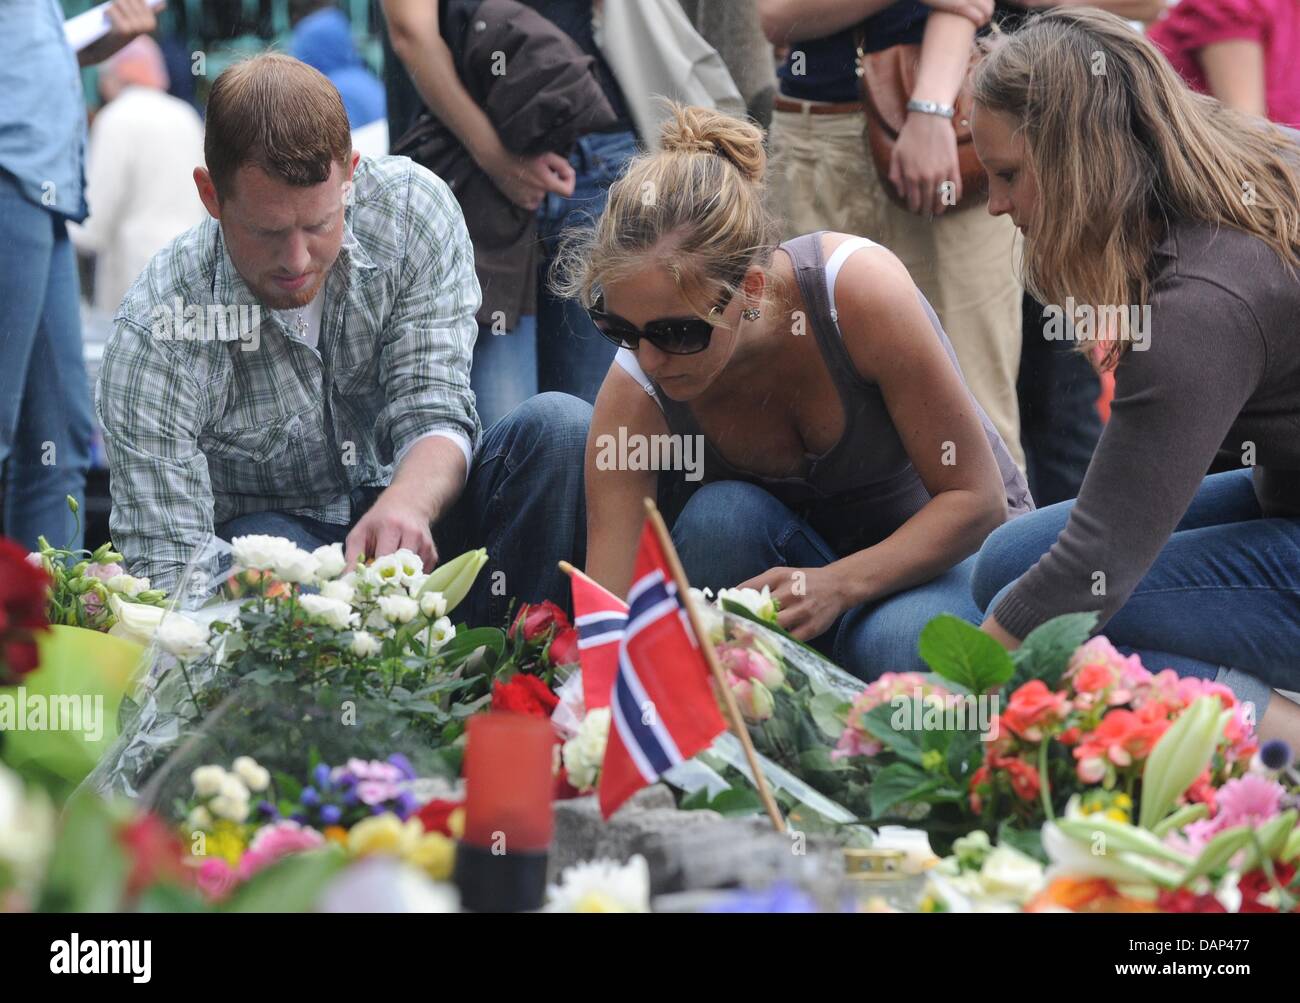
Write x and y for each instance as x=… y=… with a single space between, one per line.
x=1166 y=227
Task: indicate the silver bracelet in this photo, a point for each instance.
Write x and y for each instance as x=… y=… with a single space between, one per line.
x=932 y=108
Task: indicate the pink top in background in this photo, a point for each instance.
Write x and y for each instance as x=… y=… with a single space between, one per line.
x=1274 y=24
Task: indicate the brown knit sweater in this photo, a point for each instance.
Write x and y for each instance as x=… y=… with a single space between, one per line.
x=1222 y=372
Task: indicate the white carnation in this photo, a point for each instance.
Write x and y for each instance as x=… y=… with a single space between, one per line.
x=229 y=808
x=255 y=777
x=584 y=753
x=207 y=780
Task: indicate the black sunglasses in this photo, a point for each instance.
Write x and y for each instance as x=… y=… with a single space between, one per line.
x=676 y=336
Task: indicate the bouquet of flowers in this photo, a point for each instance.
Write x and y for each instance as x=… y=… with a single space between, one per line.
x=290 y=653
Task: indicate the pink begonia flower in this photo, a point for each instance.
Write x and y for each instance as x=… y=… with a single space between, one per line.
x=373 y=792
x=374 y=769
x=1097 y=659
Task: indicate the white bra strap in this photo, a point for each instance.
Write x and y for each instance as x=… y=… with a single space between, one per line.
x=835 y=263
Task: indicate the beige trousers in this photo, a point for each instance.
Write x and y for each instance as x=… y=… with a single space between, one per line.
x=965 y=261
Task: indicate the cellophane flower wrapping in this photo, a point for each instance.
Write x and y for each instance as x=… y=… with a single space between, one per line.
x=292 y=677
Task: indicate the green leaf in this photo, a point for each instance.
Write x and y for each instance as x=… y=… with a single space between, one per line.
x=170 y=899
x=1045 y=652
x=737 y=801
x=292 y=884
x=829 y=713
x=89 y=867
x=1218 y=851
x=965 y=654
x=904 y=744
x=1028 y=842
x=897 y=783
x=695 y=800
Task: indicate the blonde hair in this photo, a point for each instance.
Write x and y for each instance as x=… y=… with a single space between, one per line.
x=1122 y=149
x=697 y=205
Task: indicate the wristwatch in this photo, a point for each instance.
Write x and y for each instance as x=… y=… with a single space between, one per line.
x=931 y=108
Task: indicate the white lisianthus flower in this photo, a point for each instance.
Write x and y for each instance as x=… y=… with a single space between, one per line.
x=375 y=622
x=127 y=585
x=415 y=584
x=439 y=633
x=602 y=886
x=399 y=568
x=229 y=808
x=207 y=780
x=334 y=612
x=584 y=753
x=761 y=604
x=255 y=777
x=134 y=621
x=433 y=604
x=199 y=818
x=182 y=637
x=398 y=609
x=365 y=645
x=330 y=561
x=340 y=590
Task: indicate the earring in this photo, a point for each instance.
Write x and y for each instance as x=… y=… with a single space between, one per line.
x=750 y=313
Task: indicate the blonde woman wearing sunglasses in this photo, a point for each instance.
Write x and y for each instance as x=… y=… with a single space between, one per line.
x=803 y=399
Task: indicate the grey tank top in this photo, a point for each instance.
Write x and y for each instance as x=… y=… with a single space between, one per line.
x=865 y=486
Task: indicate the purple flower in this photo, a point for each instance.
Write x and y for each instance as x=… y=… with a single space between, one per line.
x=299 y=817
x=322 y=776
x=309 y=797
x=350 y=797
x=330 y=814
x=407 y=804
x=268 y=809
x=403 y=764
x=780 y=897
x=1276 y=754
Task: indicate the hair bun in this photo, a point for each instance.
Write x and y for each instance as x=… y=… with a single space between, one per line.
x=691 y=129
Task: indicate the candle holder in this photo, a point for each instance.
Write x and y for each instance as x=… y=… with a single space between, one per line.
x=501 y=860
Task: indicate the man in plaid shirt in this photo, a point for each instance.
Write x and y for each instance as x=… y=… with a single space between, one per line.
x=298 y=365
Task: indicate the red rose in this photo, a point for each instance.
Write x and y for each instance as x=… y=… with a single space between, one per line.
x=436 y=816
x=564 y=649
x=524 y=694
x=157 y=855
x=536 y=619
x=23 y=590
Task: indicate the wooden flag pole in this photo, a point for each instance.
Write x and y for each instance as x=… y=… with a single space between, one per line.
x=711 y=656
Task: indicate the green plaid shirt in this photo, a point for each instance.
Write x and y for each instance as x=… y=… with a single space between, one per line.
x=213 y=408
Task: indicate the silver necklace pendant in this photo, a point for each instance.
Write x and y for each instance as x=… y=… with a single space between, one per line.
x=300 y=321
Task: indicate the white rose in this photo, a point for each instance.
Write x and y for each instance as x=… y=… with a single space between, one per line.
x=254 y=776
x=340 y=590
x=280 y=557
x=127 y=585
x=135 y=621
x=330 y=561
x=229 y=808
x=334 y=612
x=207 y=780
x=398 y=609
x=296 y=565
x=182 y=637
x=365 y=645
x=433 y=604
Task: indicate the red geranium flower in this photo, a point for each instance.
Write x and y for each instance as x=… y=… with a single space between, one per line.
x=1024 y=778
x=524 y=694
x=23 y=590
x=536 y=619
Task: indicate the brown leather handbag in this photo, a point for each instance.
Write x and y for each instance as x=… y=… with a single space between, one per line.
x=887 y=78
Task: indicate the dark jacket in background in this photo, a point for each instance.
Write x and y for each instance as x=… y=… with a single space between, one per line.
x=547 y=96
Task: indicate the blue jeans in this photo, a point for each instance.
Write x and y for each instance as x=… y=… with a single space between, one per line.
x=558 y=349
x=1224 y=591
x=730 y=531
x=523 y=502
x=45 y=423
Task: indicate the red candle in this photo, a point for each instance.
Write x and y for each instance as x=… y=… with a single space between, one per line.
x=508 y=782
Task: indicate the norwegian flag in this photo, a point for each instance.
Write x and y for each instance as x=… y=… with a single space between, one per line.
x=600 y=617
x=663 y=709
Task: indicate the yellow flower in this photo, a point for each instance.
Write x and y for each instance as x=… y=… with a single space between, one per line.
x=1123 y=801
x=384 y=833
x=434 y=854
x=598 y=901
x=1118 y=814
x=456 y=823
x=226 y=840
